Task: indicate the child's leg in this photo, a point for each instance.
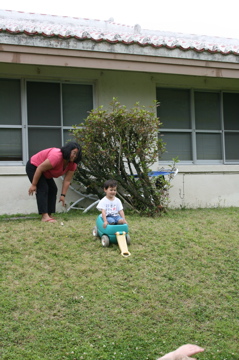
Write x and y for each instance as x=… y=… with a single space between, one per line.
x=111 y=220
x=119 y=220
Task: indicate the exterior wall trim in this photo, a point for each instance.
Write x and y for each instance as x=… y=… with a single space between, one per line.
x=111 y=61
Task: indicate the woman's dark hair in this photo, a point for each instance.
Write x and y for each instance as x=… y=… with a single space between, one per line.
x=67 y=149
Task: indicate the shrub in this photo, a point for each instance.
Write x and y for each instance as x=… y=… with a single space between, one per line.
x=123 y=144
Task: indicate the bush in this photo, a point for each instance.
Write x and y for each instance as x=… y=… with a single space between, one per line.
x=123 y=144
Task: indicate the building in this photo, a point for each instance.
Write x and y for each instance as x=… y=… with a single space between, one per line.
x=54 y=69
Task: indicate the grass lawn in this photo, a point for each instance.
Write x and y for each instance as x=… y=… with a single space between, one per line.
x=64 y=296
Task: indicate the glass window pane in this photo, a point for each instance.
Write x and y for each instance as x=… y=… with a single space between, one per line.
x=231 y=146
x=43 y=103
x=174 y=109
x=207 y=111
x=231 y=111
x=77 y=102
x=67 y=136
x=209 y=147
x=177 y=144
x=10 y=102
x=10 y=145
x=40 y=139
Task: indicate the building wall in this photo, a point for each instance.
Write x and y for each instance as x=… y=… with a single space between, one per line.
x=194 y=186
x=191 y=188
x=14 y=186
x=205 y=186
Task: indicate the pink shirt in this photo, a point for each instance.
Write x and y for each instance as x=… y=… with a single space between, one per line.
x=55 y=156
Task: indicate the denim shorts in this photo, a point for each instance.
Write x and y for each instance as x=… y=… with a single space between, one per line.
x=113 y=220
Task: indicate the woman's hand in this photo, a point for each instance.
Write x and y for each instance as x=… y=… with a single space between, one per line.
x=46 y=165
x=66 y=183
x=32 y=189
x=62 y=200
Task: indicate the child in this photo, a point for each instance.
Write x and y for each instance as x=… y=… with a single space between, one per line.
x=110 y=206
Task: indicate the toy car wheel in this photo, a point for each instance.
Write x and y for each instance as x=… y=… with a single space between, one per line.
x=95 y=231
x=105 y=241
x=128 y=240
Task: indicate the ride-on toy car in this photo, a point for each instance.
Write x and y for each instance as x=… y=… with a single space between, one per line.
x=115 y=234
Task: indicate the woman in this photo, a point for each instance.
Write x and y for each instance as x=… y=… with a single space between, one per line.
x=46 y=165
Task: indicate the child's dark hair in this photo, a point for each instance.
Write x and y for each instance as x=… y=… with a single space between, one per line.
x=110 y=183
x=67 y=149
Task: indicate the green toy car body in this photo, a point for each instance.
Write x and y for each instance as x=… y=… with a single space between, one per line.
x=108 y=234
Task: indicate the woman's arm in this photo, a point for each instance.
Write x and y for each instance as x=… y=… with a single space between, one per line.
x=46 y=165
x=65 y=186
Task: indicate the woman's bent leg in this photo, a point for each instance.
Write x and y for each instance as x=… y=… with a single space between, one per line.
x=30 y=170
x=44 y=205
x=52 y=192
x=42 y=195
x=42 y=188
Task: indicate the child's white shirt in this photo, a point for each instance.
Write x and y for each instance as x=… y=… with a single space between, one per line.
x=111 y=207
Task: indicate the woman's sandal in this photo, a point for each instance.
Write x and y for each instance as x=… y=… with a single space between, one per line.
x=49 y=220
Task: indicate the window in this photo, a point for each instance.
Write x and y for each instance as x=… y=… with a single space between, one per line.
x=36 y=115
x=199 y=126
x=10 y=120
